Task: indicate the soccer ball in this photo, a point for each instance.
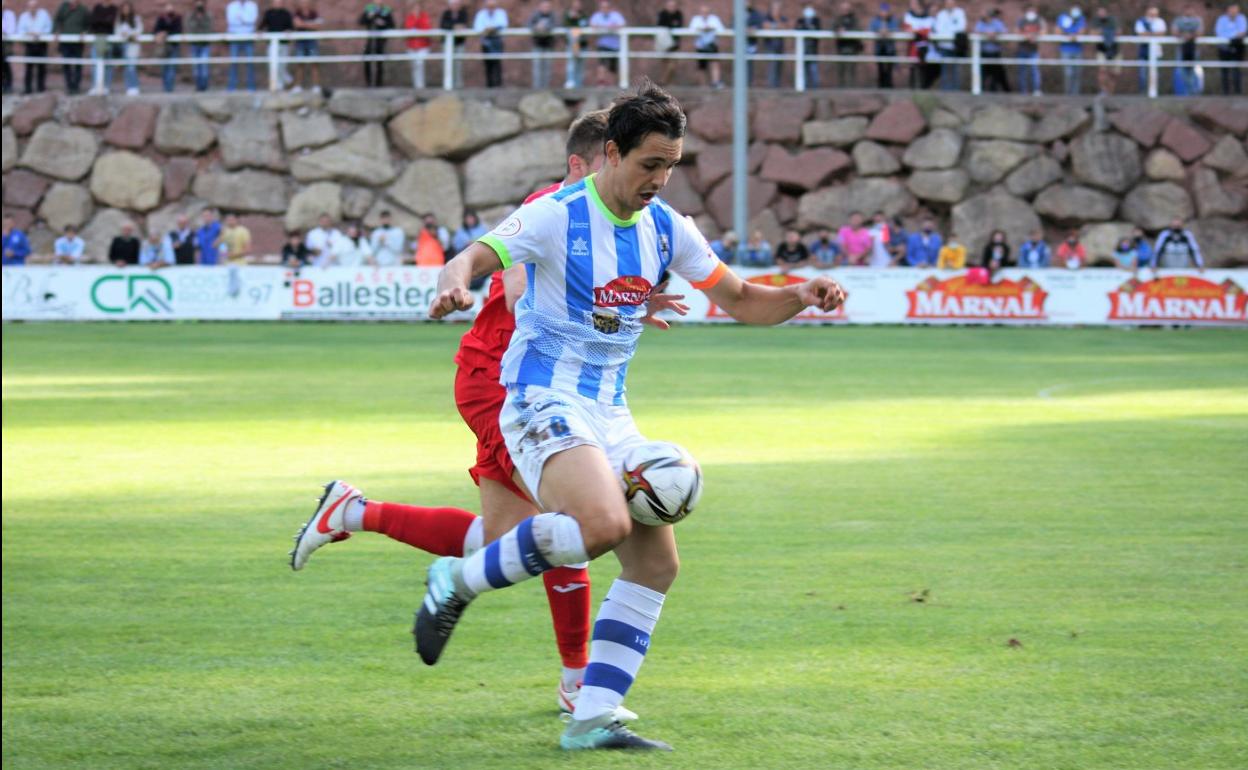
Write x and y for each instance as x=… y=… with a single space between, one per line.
x=662 y=483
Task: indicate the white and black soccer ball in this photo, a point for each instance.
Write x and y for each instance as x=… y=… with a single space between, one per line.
x=662 y=483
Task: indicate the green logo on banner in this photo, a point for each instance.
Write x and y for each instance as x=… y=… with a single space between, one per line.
x=149 y=291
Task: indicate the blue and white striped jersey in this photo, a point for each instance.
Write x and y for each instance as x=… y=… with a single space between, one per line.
x=590 y=274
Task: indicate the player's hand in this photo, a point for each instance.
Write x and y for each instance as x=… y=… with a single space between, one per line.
x=822 y=292
x=658 y=302
x=451 y=300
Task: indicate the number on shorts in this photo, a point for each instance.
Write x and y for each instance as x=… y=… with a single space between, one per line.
x=559 y=427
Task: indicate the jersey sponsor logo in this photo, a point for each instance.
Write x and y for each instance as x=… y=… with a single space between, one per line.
x=960 y=298
x=579 y=248
x=606 y=323
x=510 y=226
x=1179 y=298
x=626 y=290
x=665 y=247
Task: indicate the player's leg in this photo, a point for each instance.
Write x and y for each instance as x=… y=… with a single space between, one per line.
x=555 y=443
x=343 y=509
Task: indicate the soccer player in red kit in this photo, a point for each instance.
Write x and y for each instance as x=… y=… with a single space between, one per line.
x=504 y=502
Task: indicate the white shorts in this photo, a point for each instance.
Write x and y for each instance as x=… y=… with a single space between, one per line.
x=539 y=423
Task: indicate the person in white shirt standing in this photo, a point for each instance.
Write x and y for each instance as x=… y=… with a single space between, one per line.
x=490 y=21
x=709 y=27
x=1149 y=25
x=240 y=19
x=320 y=240
x=387 y=243
x=128 y=27
x=351 y=249
x=33 y=24
x=950 y=28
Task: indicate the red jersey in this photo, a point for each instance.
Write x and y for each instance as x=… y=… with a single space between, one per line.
x=484 y=344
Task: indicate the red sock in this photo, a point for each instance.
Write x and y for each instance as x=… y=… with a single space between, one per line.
x=439 y=531
x=568 y=591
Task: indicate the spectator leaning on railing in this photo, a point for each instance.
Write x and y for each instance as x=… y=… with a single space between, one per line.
x=307 y=19
x=670 y=18
x=792 y=254
x=1034 y=253
x=279 y=20
x=1106 y=51
x=234 y=242
x=455 y=17
x=490 y=22
x=926 y=68
x=1070 y=253
x=169 y=23
x=952 y=254
x=69 y=248
x=884 y=25
x=182 y=240
x=35 y=22
x=575 y=22
x=847 y=21
x=102 y=24
x=991 y=26
x=72 y=18
x=607 y=19
x=709 y=27
x=810 y=22
x=774 y=20
x=756 y=252
x=377 y=17
x=199 y=22
x=10 y=29
x=824 y=250
x=1149 y=25
x=240 y=19
x=1187 y=27
x=1177 y=249
x=418 y=46
x=1031 y=27
x=950 y=29
x=1072 y=24
x=542 y=24
x=206 y=237
x=1233 y=27
x=129 y=27
x=923 y=247
x=124 y=248
x=156 y=252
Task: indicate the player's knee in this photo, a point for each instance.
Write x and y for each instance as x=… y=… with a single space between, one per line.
x=604 y=528
x=661 y=571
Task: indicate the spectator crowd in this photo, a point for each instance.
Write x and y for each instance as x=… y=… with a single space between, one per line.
x=937 y=55
x=884 y=243
x=219 y=239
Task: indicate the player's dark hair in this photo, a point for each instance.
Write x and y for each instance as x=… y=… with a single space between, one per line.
x=587 y=135
x=649 y=110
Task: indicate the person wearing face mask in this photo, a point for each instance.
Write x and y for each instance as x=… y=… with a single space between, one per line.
x=923 y=247
x=1177 y=249
x=810 y=23
x=996 y=254
x=1072 y=23
x=1106 y=51
x=1188 y=27
x=1071 y=254
x=1126 y=256
x=1031 y=27
x=1034 y=253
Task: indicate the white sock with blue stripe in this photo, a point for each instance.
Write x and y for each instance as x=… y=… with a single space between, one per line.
x=620 y=640
x=533 y=546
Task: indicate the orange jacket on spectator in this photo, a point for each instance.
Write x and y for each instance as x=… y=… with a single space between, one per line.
x=429 y=252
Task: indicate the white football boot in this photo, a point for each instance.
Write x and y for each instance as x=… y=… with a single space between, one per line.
x=326 y=525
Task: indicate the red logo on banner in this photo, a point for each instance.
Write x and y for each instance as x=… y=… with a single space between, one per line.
x=1179 y=298
x=625 y=290
x=781 y=279
x=960 y=298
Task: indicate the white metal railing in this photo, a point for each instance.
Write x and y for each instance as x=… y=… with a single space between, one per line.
x=278 y=51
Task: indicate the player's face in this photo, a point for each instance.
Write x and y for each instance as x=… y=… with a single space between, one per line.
x=639 y=176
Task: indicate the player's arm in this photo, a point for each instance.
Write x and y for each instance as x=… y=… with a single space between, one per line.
x=473 y=262
x=753 y=303
x=515 y=281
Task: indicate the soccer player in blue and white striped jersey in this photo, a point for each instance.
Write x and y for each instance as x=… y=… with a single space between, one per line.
x=593 y=253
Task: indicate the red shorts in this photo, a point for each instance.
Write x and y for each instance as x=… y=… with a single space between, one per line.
x=480 y=397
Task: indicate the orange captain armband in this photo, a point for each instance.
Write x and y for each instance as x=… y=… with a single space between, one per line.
x=715 y=277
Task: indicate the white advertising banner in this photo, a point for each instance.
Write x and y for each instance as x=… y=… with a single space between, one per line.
x=894 y=296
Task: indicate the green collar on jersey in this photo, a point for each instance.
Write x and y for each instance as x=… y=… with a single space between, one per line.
x=606 y=212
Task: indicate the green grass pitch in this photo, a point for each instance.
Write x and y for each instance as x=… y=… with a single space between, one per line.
x=885 y=510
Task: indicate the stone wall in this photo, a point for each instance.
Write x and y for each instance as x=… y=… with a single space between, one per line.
x=977 y=165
